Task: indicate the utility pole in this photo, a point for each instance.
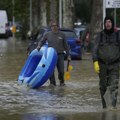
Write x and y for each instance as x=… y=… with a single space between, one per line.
x=60 y=13
x=13 y=19
x=30 y=16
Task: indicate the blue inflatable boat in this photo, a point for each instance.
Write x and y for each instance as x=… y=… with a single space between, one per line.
x=38 y=67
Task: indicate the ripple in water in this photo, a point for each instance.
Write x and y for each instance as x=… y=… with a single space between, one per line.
x=71 y=98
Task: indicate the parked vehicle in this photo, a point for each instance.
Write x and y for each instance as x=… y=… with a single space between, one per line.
x=3 y=23
x=9 y=29
x=74 y=43
x=71 y=37
x=79 y=30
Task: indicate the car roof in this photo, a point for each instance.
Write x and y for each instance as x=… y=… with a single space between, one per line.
x=66 y=29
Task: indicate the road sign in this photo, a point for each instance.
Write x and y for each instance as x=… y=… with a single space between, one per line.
x=112 y=3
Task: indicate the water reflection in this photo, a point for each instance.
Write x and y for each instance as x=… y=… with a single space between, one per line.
x=78 y=116
x=12 y=56
x=111 y=115
x=52 y=116
x=41 y=117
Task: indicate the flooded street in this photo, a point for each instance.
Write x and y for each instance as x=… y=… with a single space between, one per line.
x=78 y=100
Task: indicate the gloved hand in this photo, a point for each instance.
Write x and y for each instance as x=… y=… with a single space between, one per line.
x=96 y=67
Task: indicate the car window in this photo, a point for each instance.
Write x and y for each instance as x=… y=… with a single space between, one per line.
x=69 y=34
x=79 y=31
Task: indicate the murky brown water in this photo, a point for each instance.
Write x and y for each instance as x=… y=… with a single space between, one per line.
x=78 y=100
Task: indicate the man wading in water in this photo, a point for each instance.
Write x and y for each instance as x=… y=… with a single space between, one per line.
x=106 y=58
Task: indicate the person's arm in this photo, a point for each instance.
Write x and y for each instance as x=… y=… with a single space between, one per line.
x=42 y=41
x=66 y=47
x=95 y=55
x=119 y=37
x=119 y=42
x=28 y=48
x=95 y=47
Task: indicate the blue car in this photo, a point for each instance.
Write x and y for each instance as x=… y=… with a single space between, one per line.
x=72 y=40
x=74 y=43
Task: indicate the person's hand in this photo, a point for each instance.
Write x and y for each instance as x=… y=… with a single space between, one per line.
x=38 y=47
x=96 y=67
x=27 y=53
x=69 y=58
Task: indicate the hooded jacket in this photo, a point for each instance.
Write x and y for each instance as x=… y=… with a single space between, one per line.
x=107 y=45
x=112 y=21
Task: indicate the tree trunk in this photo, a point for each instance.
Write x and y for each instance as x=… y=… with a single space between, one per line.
x=68 y=13
x=39 y=17
x=53 y=10
x=35 y=17
x=96 y=20
x=43 y=13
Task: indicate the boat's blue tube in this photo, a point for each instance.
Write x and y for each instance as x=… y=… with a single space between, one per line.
x=38 y=67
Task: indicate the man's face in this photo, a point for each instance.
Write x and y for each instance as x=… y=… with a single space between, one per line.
x=54 y=27
x=108 y=24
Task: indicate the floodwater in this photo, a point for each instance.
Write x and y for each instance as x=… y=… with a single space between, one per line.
x=78 y=100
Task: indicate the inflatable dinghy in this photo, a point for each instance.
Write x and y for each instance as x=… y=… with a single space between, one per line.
x=38 y=67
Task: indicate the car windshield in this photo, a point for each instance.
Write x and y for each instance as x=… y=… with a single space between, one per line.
x=69 y=34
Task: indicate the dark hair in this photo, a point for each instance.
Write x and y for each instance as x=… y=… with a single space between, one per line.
x=53 y=22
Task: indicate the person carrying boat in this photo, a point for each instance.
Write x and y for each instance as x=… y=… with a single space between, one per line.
x=57 y=40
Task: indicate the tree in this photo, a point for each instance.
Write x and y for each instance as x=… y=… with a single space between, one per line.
x=83 y=10
x=68 y=13
x=96 y=20
x=53 y=9
x=43 y=13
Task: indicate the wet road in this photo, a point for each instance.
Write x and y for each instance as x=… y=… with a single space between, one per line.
x=78 y=100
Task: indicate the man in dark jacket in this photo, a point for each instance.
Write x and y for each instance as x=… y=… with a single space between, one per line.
x=57 y=40
x=106 y=56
